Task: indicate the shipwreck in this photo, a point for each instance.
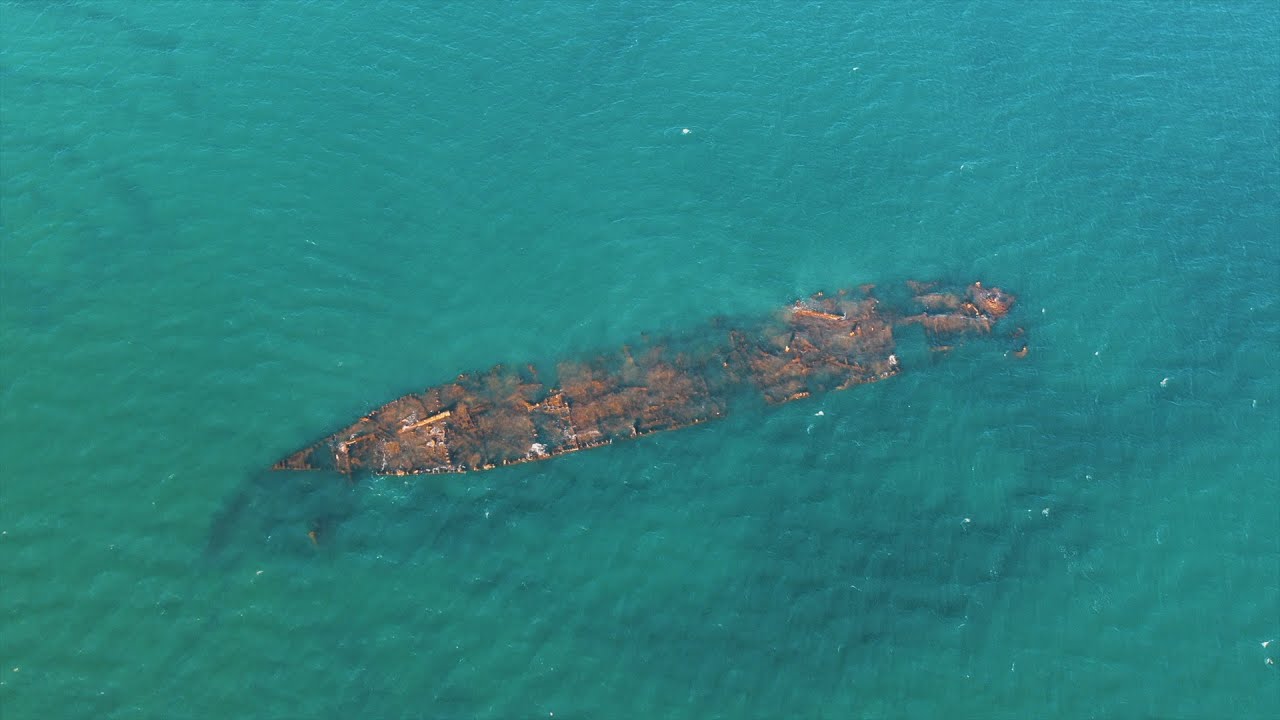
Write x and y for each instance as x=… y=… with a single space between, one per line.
x=509 y=415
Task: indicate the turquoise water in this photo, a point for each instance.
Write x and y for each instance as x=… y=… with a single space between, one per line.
x=230 y=228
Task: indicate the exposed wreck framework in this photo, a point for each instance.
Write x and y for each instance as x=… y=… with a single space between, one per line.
x=505 y=416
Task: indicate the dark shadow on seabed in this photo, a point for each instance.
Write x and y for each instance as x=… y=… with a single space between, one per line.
x=265 y=513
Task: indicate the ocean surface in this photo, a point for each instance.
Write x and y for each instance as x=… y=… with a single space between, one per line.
x=231 y=228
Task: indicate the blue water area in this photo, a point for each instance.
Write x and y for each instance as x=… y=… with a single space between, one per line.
x=231 y=228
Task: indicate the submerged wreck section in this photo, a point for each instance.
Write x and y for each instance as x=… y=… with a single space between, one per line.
x=509 y=415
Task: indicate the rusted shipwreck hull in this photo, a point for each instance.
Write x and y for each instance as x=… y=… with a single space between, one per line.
x=508 y=415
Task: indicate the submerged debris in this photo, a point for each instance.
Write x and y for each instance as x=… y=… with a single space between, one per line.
x=507 y=415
